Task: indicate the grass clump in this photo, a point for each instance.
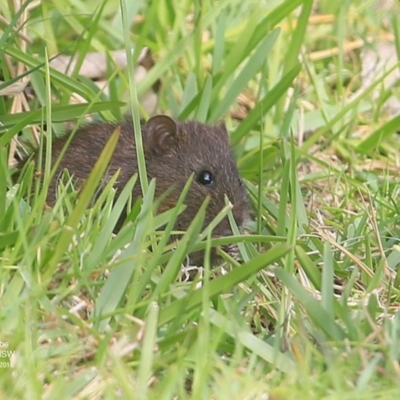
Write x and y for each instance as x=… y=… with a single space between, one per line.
x=311 y=311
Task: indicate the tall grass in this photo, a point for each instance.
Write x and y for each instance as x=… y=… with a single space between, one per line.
x=311 y=311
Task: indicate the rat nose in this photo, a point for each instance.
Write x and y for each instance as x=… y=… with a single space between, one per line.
x=240 y=214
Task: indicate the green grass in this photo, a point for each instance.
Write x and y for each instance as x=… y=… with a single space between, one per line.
x=311 y=312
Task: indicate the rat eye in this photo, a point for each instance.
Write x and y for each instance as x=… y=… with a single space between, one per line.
x=205 y=178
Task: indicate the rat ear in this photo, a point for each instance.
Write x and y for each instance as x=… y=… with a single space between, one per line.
x=159 y=130
x=220 y=125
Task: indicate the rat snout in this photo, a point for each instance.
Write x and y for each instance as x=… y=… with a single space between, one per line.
x=224 y=228
x=241 y=215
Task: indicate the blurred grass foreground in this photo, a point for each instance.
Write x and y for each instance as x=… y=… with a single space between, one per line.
x=309 y=93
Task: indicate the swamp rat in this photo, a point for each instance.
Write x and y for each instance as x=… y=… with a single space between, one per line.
x=173 y=151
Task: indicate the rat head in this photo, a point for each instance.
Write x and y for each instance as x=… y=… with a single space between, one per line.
x=176 y=150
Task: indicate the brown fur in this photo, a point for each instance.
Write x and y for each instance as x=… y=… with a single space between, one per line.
x=173 y=151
